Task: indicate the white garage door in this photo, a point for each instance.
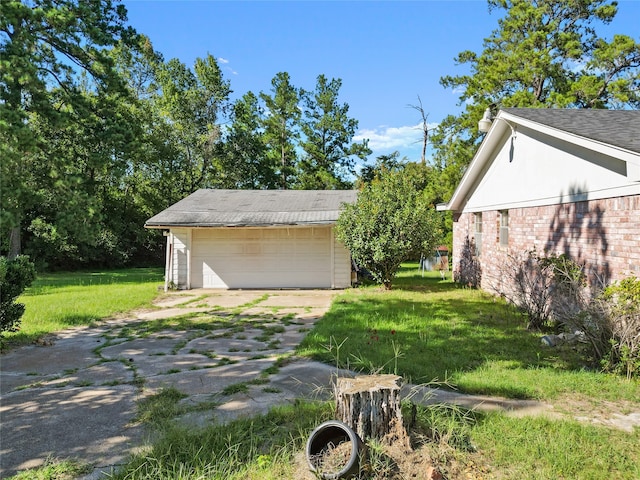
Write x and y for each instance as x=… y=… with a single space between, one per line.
x=261 y=258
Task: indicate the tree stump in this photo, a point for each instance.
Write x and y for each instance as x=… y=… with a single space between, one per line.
x=370 y=405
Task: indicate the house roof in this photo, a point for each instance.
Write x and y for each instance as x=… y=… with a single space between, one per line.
x=612 y=132
x=619 y=128
x=242 y=208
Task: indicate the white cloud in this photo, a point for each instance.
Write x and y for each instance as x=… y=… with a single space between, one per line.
x=225 y=62
x=385 y=138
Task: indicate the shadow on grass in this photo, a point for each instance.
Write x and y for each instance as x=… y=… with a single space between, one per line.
x=430 y=330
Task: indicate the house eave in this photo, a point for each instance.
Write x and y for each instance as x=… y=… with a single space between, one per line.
x=506 y=123
x=165 y=226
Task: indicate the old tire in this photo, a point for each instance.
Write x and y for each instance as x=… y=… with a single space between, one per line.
x=334 y=433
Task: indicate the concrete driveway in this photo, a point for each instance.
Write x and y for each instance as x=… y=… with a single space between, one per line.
x=75 y=395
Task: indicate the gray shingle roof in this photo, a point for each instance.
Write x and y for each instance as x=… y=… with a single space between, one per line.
x=236 y=208
x=619 y=128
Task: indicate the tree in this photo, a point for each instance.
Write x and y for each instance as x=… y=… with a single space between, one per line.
x=392 y=221
x=383 y=163
x=328 y=158
x=192 y=103
x=424 y=127
x=544 y=53
x=15 y=275
x=281 y=126
x=245 y=163
x=45 y=45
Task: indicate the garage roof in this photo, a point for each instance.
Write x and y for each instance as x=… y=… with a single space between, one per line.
x=248 y=208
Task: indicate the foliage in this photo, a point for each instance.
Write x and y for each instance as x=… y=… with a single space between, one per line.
x=15 y=275
x=554 y=287
x=533 y=448
x=192 y=102
x=43 y=48
x=579 y=307
x=229 y=451
x=328 y=158
x=280 y=132
x=55 y=470
x=392 y=221
x=245 y=163
x=526 y=280
x=543 y=54
x=620 y=303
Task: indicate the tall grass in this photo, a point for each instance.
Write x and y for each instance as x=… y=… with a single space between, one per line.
x=57 y=301
x=255 y=448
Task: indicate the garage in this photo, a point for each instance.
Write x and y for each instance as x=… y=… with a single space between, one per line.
x=255 y=239
x=261 y=257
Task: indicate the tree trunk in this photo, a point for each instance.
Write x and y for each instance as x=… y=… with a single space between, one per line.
x=370 y=405
x=15 y=247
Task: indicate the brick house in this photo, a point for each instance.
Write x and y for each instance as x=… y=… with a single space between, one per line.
x=558 y=181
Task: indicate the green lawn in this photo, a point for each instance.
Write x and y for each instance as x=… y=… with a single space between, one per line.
x=428 y=330
x=56 y=301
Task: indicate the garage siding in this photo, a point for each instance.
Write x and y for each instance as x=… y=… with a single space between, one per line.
x=295 y=257
x=178 y=273
x=341 y=265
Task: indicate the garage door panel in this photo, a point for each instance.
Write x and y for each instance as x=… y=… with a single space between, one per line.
x=261 y=258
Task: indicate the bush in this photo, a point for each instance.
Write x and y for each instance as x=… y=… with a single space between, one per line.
x=555 y=288
x=525 y=280
x=15 y=276
x=391 y=222
x=620 y=304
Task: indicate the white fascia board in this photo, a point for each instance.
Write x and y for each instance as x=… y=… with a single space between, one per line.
x=479 y=162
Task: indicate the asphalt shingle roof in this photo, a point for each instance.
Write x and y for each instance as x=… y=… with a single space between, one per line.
x=237 y=208
x=619 y=128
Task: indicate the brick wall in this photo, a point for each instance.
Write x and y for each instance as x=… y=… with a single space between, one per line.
x=603 y=234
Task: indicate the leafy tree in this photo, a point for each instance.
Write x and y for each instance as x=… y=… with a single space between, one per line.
x=544 y=53
x=65 y=224
x=329 y=152
x=392 y=221
x=192 y=102
x=15 y=275
x=245 y=163
x=45 y=45
x=383 y=163
x=281 y=126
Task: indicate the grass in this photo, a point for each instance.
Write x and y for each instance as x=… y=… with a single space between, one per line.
x=430 y=330
x=55 y=470
x=257 y=448
x=57 y=301
x=539 y=448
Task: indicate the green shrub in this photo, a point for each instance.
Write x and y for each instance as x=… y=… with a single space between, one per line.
x=15 y=275
x=620 y=303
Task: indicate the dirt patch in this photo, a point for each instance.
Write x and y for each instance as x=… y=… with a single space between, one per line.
x=621 y=414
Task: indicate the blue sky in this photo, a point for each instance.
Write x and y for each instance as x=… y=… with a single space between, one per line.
x=387 y=53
